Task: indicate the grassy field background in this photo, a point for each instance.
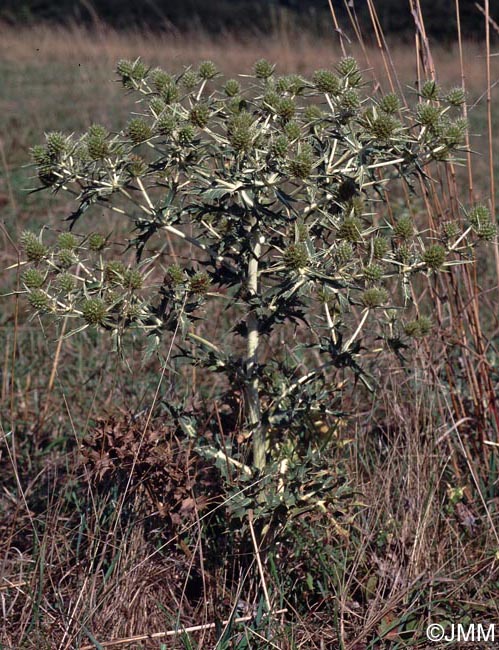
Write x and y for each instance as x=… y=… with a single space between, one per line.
x=419 y=541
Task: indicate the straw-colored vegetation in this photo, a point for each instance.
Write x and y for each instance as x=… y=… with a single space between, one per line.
x=112 y=527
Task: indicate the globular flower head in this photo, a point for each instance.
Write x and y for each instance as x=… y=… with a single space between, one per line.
x=35 y=250
x=374 y=297
x=136 y=166
x=33 y=279
x=326 y=82
x=418 y=328
x=157 y=106
x=199 y=284
x=207 y=70
x=232 y=87
x=112 y=298
x=430 y=90
x=190 y=79
x=66 y=282
x=403 y=253
x=404 y=228
x=97 y=147
x=82 y=155
x=133 y=279
x=199 y=115
x=280 y=146
x=124 y=68
x=481 y=222
x=132 y=311
x=487 y=231
x=384 y=127
x=425 y=325
x=286 y=108
x=373 y=272
x=96 y=242
x=283 y=84
x=456 y=96
x=67 y=240
x=240 y=130
x=174 y=275
x=114 y=272
x=349 y=101
x=434 y=256
x=479 y=214
x=94 y=311
x=350 y=229
x=347 y=66
x=293 y=130
x=56 y=144
x=166 y=124
x=296 y=257
x=139 y=70
x=66 y=258
x=241 y=138
x=39 y=155
x=302 y=231
x=390 y=103
x=450 y=229
x=47 y=174
x=186 y=134
x=138 y=130
x=39 y=300
x=161 y=80
x=380 y=247
x=454 y=134
x=296 y=84
x=302 y=164
x=169 y=94
x=312 y=113
x=344 y=252
x=263 y=69
x=131 y=72
x=428 y=115
x=96 y=140
x=271 y=101
x=356 y=205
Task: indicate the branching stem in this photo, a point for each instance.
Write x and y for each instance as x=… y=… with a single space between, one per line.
x=252 y=397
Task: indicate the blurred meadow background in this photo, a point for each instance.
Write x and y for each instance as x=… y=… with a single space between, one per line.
x=418 y=540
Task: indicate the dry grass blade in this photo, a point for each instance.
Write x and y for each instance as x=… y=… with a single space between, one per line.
x=180 y=631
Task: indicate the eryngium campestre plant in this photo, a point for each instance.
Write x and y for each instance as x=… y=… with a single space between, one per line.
x=278 y=185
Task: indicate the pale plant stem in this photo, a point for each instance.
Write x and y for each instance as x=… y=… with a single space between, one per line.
x=490 y=125
x=253 y=400
x=357 y=331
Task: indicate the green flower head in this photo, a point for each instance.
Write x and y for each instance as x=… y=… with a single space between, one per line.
x=326 y=82
x=207 y=70
x=434 y=256
x=296 y=257
x=375 y=297
x=263 y=69
x=35 y=250
x=138 y=130
x=94 y=311
x=32 y=278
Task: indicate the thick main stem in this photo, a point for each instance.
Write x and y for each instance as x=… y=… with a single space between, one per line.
x=252 y=398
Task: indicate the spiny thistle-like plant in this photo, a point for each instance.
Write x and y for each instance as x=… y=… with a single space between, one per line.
x=279 y=187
